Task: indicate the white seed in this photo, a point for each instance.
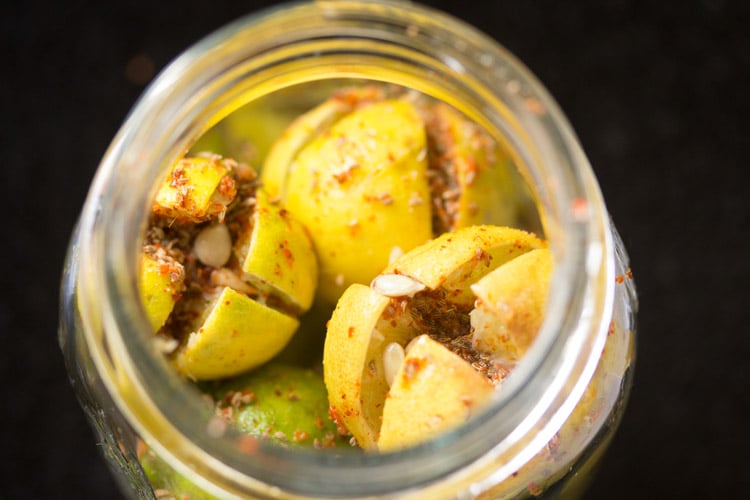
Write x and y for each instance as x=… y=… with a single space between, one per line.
x=213 y=245
x=166 y=345
x=393 y=358
x=396 y=285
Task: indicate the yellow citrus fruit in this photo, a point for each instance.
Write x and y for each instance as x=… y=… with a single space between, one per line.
x=237 y=334
x=279 y=256
x=434 y=390
x=511 y=305
x=159 y=288
x=427 y=288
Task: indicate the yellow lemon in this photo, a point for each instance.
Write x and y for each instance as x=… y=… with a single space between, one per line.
x=361 y=190
x=195 y=189
x=159 y=284
x=237 y=334
x=433 y=391
x=511 y=304
x=426 y=290
x=279 y=256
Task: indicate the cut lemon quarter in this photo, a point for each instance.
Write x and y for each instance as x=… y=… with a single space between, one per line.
x=237 y=334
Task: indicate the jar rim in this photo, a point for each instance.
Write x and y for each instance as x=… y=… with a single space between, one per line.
x=546 y=385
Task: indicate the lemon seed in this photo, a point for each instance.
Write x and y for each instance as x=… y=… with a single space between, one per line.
x=213 y=245
x=393 y=358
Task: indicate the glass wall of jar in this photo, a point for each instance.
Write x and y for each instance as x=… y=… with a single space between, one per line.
x=547 y=427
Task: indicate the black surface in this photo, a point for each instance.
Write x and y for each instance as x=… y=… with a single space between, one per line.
x=657 y=96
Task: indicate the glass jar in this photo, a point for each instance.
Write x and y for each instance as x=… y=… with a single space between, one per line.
x=555 y=414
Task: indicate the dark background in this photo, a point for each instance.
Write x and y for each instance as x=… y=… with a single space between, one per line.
x=656 y=93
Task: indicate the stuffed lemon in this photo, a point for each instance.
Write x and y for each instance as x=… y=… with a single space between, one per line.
x=381 y=381
x=248 y=269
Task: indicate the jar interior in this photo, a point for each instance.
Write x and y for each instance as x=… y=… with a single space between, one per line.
x=244 y=125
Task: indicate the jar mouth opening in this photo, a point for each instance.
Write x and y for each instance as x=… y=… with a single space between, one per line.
x=388 y=42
